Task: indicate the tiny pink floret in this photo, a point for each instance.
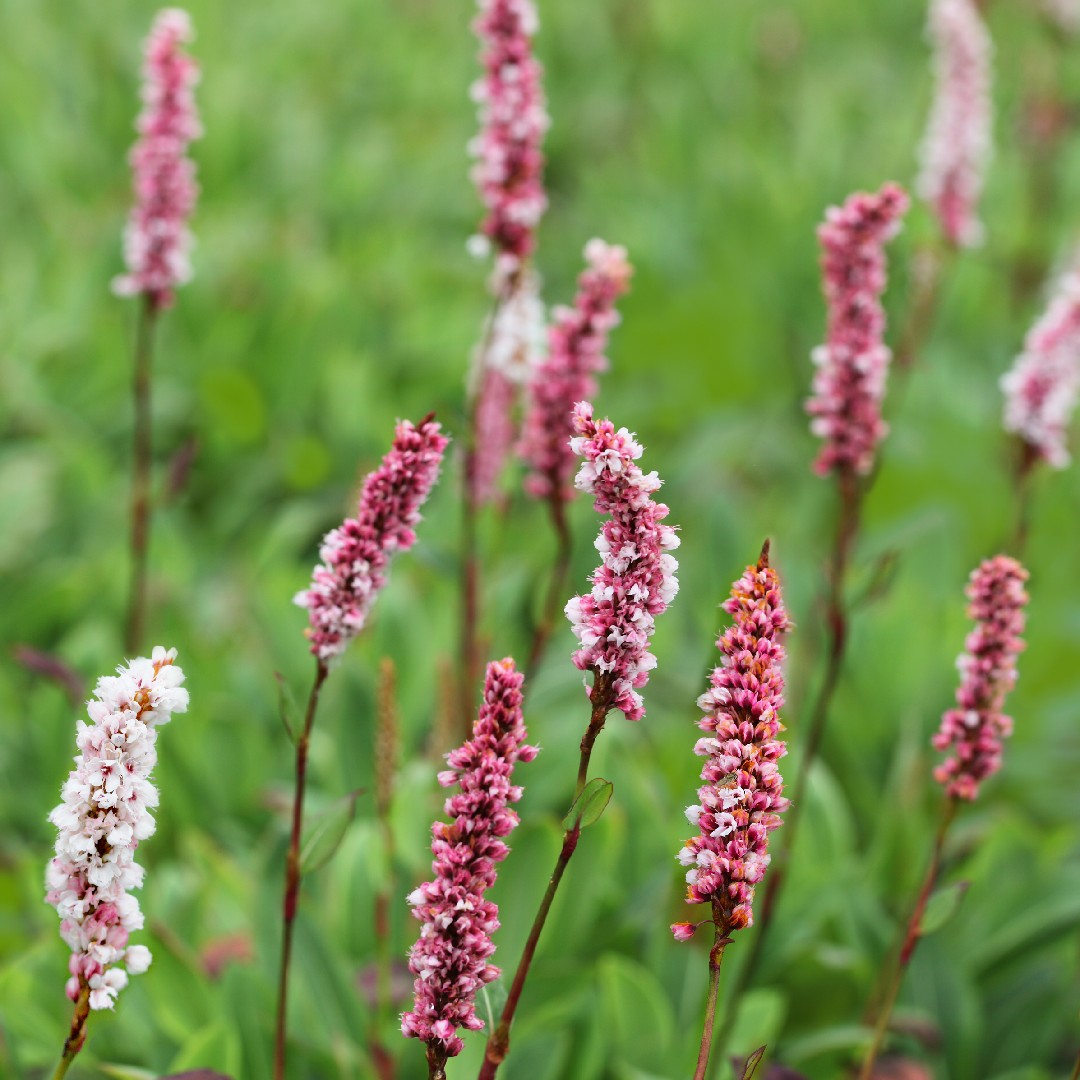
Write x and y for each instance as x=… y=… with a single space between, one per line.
x=105 y=812
x=853 y=363
x=635 y=580
x=513 y=118
x=742 y=795
x=957 y=145
x=356 y=555
x=1042 y=388
x=974 y=730
x=157 y=241
x=451 y=957
x=577 y=339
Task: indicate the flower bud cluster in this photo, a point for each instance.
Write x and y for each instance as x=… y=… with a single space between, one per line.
x=635 y=580
x=105 y=811
x=742 y=795
x=157 y=241
x=450 y=958
x=355 y=556
x=973 y=731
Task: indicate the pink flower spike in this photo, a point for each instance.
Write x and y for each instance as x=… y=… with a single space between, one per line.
x=852 y=365
x=1042 y=388
x=577 y=339
x=157 y=241
x=742 y=796
x=957 y=145
x=513 y=118
x=450 y=958
x=105 y=811
x=635 y=580
x=356 y=555
x=975 y=728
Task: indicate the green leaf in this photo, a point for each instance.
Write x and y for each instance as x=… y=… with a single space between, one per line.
x=589 y=805
x=840 y=1037
x=752 y=1063
x=217 y=1043
x=758 y=1020
x=635 y=1011
x=286 y=706
x=327 y=832
x=492 y=999
x=942 y=906
x=126 y=1072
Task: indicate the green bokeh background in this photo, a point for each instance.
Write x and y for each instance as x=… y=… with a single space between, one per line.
x=333 y=293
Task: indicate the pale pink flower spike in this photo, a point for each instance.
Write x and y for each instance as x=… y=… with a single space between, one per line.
x=957 y=145
x=356 y=555
x=974 y=730
x=635 y=580
x=577 y=339
x=513 y=118
x=105 y=812
x=1042 y=388
x=450 y=958
x=853 y=363
x=742 y=796
x=157 y=241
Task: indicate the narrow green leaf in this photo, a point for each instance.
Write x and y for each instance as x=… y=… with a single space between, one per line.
x=286 y=706
x=590 y=804
x=751 y=1065
x=126 y=1072
x=942 y=906
x=327 y=832
x=492 y=999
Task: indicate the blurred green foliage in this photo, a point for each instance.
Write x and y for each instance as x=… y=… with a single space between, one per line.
x=333 y=293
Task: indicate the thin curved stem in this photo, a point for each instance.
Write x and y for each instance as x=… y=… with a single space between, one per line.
x=293 y=873
x=141 y=461
x=716 y=956
x=77 y=1035
x=910 y=941
x=498 y=1043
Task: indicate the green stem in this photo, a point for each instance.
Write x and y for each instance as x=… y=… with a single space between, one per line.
x=910 y=941
x=142 y=457
x=292 y=869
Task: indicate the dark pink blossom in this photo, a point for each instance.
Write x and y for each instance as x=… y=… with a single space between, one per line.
x=635 y=580
x=973 y=731
x=157 y=241
x=577 y=339
x=513 y=118
x=356 y=554
x=957 y=145
x=450 y=958
x=852 y=364
x=742 y=796
x=1043 y=385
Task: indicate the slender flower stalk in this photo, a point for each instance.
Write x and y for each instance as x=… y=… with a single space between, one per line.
x=741 y=799
x=157 y=242
x=613 y=623
x=973 y=731
x=508 y=173
x=845 y=408
x=957 y=146
x=355 y=561
x=450 y=959
x=106 y=810
x=577 y=339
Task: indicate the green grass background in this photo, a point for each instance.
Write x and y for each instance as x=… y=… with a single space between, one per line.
x=332 y=294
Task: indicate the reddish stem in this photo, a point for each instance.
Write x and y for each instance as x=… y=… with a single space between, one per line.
x=498 y=1042
x=142 y=455
x=292 y=869
x=716 y=956
x=77 y=1035
x=911 y=940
